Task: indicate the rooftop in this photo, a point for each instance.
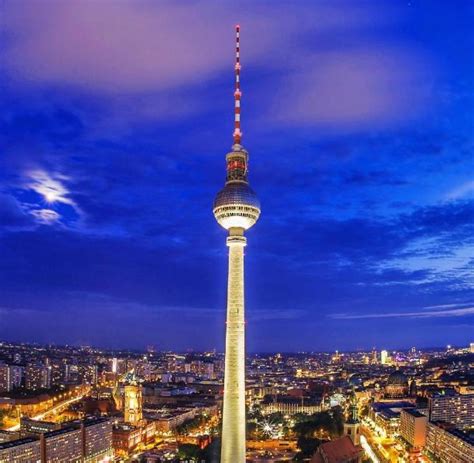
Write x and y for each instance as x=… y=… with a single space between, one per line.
x=336 y=451
x=14 y=443
x=414 y=412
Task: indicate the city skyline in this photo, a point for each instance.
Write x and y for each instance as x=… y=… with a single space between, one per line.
x=358 y=121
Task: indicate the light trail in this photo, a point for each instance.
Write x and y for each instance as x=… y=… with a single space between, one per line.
x=368 y=449
x=56 y=408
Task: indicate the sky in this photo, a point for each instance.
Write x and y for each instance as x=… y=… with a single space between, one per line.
x=115 y=120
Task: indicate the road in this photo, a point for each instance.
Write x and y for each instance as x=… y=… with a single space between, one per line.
x=56 y=408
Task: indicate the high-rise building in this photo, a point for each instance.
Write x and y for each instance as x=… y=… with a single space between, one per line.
x=62 y=445
x=4 y=377
x=236 y=208
x=457 y=409
x=114 y=366
x=374 y=355
x=10 y=377
x=445 y=443
x=471 y=347
x=37 y=376
x=383 y=357
x=87 y=441
x=97 y=440
x=413 y=427
x=27 y=450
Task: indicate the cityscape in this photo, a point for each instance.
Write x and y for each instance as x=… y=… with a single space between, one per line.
x=63 y=403
x=327 y=317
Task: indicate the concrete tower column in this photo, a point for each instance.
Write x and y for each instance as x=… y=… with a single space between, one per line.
x=233 y=424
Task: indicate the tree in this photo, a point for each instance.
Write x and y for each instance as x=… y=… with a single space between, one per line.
x=189 y=452
x=307 y=447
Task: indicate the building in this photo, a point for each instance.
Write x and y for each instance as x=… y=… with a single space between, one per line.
x=4 y=377
x=37 y=376
x=386 y=415
x=446 y=444
x=413 y=427
x=236 y=208
x=29 y=427
x=97 y=440
x=352 y=425
x=133 y=400
x=27 y=450
x=125 y=438
x=87 y=441
x=457 y=409
x=383 y=357
x=397 y=385
x=289 y=405
x=62 y=445
x=10 y=377
x=340 y=450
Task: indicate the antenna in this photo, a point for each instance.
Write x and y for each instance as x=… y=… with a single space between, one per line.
x=237 y=92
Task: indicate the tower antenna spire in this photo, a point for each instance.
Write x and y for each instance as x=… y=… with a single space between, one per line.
x=237 y=92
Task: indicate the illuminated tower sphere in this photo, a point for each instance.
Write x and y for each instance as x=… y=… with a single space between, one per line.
x=236 y=208
x=132 y=400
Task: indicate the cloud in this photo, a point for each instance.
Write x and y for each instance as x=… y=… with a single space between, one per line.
x=51 y=188
x=165 y=53
x=460 y=312
x=373 y=84
x=45 y=216
x=461 y=191
x=124 y=46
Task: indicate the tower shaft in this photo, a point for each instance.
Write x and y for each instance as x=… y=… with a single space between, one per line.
x=233 y=424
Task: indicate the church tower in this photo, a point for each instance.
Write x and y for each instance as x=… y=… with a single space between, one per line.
x=352 y=425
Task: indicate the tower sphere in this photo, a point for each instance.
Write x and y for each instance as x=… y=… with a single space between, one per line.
x=236 y=205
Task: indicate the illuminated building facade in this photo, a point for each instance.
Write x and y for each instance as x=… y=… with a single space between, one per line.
x=97 y=440
x=62 y=445
x=457 y=409
x=133 y=403
x=21 y=451
x=445 y=443
x=10 y=377
x=87 y=441
x=397 y=385
x=236 y=208
x=37 y=376
x=413 y=427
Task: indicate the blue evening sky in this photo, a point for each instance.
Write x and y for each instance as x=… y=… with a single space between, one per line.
x=115 y=120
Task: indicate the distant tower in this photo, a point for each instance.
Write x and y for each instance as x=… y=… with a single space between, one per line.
x=236 y=208
x=132 y=400
x=352 y=425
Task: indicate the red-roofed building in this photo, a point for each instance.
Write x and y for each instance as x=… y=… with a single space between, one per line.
x=340 y=450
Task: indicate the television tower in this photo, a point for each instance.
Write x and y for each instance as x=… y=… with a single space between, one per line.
x=236 y=208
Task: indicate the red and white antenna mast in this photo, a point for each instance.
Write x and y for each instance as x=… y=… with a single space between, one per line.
x=237 y=92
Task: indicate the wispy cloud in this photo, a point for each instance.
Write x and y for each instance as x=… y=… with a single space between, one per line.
x=45 y=216
x=460 y=312
x=461 y=191
x=50 y=187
